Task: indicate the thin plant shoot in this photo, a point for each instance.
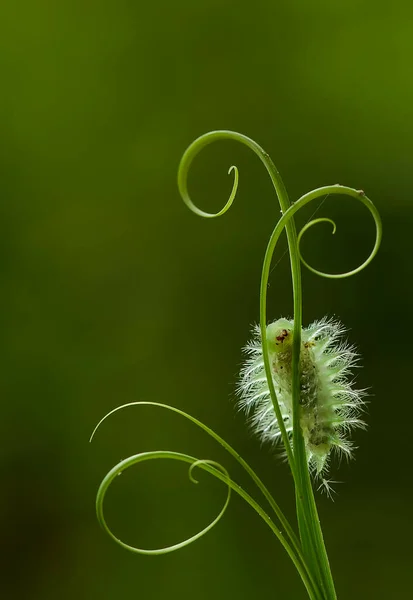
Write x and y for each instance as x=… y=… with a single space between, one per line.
x=295 y=386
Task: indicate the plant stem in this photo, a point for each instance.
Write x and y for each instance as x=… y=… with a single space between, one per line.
x=311 y=536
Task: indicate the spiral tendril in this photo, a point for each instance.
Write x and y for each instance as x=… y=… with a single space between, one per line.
x=339 y=189
x=212 y=136
x=211 y=467
x=290 y=535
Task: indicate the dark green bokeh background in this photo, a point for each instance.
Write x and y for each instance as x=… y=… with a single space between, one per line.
x=112 y=291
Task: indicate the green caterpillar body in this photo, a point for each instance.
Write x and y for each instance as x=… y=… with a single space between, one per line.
x=329 y=405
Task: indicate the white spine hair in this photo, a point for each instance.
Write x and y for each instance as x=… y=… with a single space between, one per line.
x=330 y=407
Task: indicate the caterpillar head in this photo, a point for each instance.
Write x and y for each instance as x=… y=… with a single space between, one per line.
x=280 y=336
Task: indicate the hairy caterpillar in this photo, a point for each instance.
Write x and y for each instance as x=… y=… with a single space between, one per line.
x=329 y=405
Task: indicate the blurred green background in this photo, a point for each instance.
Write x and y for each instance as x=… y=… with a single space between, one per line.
x=112 y=291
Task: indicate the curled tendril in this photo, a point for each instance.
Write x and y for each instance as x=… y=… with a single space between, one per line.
x=287 y=537
x=223 y=210
x=186 y=161
x=212 y=136
x=283 y=223
x=210 y=466
x=267 y=495
x=304 y=229
x=340 y=189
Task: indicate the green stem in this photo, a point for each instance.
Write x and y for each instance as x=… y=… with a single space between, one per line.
x=315 y=552
x=297 y=460
x=308 y=520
